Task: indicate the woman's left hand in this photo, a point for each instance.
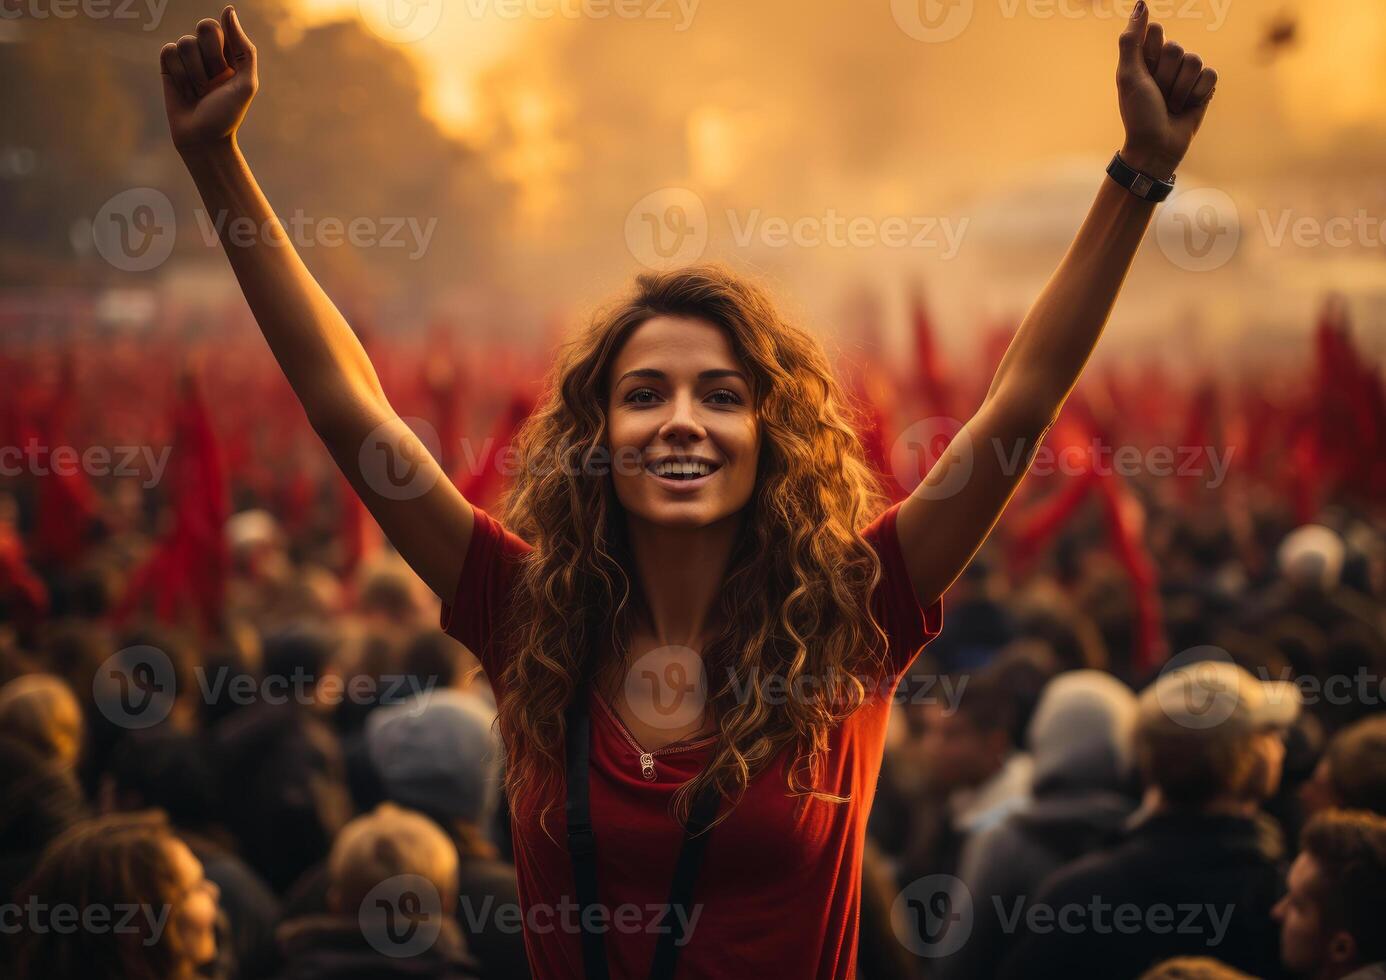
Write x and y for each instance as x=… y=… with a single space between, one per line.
x=1163 y=93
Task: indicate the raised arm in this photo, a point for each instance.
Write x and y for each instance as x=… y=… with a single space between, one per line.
x=1163 y=94
x=209 y=80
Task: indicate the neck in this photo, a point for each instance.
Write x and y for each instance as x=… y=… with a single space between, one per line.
x=681 y=571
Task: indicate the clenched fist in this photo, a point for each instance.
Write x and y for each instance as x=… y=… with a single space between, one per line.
x=209 y=80
x=1163 y=93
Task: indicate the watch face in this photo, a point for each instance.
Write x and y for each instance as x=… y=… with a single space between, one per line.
x=1141 y=185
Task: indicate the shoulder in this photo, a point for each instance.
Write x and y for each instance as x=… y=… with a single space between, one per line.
x=493 y=536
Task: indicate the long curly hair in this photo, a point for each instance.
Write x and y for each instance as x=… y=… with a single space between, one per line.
x=794 y=599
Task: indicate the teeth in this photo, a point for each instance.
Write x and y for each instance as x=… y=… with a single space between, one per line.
x=677 y=468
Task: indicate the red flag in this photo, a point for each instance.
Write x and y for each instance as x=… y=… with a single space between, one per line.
x=187 y=571
x=20 y=589
x=483 y=485
x=67 y=502
x=1125 y=517
x=868 y=389
x=932 y=379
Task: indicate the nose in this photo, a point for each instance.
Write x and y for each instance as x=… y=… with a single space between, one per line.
x=682 y=425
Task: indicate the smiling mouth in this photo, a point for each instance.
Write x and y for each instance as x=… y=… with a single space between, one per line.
x=682 y=471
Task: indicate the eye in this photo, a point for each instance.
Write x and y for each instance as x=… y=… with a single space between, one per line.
x=735 y=398
x=633 y=396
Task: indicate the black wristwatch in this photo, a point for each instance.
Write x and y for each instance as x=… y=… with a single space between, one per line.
x=1144 y=186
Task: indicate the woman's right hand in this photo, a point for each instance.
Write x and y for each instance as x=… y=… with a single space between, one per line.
x=209 y=80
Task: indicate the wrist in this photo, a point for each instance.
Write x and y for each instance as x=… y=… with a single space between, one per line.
x=1156 y=165
x=209 y=149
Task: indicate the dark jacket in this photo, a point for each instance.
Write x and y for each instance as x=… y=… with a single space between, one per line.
x=332 y=947
x=1009 y=861
x=487 y=902
x=1080 y=802
x=1179 y=884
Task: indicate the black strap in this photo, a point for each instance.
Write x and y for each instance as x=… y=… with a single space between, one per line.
x=582 y=846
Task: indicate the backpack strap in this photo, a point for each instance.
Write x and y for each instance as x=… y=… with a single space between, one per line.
x=582 y=848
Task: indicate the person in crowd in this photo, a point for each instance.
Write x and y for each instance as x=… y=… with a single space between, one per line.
x=1208 y=745
x=39 y=799
x=438 y=755
x=1310 y=587
x=1333 y=910
x=1354 y=655
x=974 y=773
x=284 y=785
x=172 y=772
x=146 y=909
x=1081 y=794
x=1045 y=613
x=391 y=901
x=42 y=710
x=1023 y=670
x=1352 y=771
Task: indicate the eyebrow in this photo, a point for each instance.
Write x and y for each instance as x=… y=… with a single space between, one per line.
x=702 y=375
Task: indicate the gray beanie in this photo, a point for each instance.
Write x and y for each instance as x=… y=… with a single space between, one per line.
x=438 y=753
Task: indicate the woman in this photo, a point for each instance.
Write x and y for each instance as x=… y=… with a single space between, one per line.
x=682 y=604
x=117 y=898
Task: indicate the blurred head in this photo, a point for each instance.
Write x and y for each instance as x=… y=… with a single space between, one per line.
x=387 y=598
x=1210 y=734
x=695 y=362
x=1335 y=900
x=1312 y=556
x=965 y=744
x=435 y=661
x=1080 y=734
x=389 y=842
x=104 y=867
x=255 y=542
x=168 y=770
x=1352 y=772
x=40 y=709
x=282 y=780
x=438 y=753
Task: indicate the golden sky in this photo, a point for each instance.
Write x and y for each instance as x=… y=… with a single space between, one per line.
x=781 y=109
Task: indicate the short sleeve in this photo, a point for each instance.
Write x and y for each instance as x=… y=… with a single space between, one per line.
x=484 y=590
x=908 y=626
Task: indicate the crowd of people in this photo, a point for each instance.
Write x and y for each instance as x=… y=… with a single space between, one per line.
x=234 y=742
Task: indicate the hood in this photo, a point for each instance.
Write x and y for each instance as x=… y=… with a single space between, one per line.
x=1080 y=734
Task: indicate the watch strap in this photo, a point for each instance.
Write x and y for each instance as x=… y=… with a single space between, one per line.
x=1144 y=186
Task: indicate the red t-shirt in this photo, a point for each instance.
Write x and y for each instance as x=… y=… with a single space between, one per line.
x=778 y=892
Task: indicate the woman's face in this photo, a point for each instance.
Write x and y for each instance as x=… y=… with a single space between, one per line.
x=679 y=393
x=195 y=915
